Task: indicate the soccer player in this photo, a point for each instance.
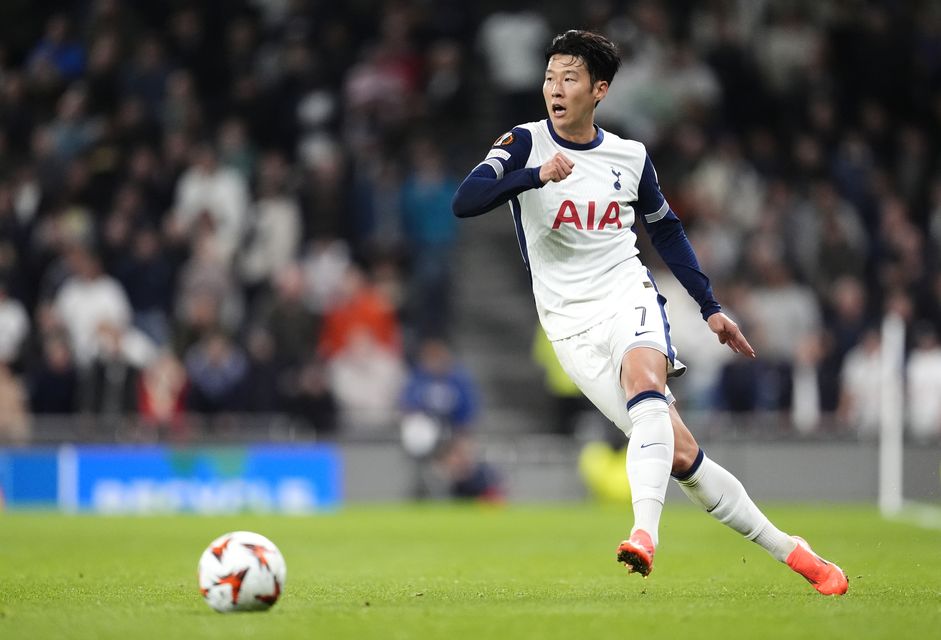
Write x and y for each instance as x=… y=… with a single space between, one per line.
x=575 y=192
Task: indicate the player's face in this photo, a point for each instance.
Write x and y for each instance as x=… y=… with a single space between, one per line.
x=571 y=96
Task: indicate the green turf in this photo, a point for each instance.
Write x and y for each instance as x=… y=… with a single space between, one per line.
x=468 y=572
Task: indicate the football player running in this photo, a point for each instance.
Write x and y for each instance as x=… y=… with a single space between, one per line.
x=576 y=193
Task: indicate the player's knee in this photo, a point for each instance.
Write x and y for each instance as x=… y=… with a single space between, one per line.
x=642 y=383
x=643 y=370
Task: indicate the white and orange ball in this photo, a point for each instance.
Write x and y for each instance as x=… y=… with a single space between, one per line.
x=241 y=571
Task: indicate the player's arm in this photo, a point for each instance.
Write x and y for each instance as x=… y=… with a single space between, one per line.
x=669 y=239
x=501 y=176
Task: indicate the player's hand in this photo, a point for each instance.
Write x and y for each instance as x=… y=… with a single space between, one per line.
x=557 y=168
x=729 y=334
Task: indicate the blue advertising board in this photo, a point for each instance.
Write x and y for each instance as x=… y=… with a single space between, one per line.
x=153 y=479
x=28 y=477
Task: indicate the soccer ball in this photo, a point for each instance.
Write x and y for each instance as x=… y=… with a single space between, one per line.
x=241 y=571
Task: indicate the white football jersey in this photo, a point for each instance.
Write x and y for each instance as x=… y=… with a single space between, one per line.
x=577 y=235
x=578 y=242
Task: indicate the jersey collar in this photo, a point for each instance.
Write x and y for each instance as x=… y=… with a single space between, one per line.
x=576 y=146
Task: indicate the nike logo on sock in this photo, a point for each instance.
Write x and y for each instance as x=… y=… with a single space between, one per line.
x=713 y=507
x=650 y=444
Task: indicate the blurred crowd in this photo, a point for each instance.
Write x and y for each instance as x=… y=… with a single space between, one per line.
x=219 y=207
x=244 y=206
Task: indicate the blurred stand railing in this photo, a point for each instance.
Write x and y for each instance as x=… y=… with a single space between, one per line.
x=224 y=428
x=192 y=428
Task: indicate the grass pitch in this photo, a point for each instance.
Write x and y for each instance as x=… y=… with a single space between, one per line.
x=441 y=571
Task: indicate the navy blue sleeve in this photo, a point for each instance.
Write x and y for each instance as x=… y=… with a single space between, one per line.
x=668 y=238
x=501 y=176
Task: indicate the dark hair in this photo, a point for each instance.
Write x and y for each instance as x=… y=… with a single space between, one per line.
x=599 y=54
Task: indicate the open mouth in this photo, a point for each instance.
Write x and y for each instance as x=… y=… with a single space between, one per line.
x=558 y=110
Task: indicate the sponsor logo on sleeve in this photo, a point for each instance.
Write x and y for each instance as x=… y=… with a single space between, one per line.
x=499 y=153
x=505 y=140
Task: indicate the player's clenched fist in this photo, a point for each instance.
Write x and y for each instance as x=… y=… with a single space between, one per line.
x=557 y=168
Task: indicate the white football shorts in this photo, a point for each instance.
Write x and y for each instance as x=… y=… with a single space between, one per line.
x=592 y=358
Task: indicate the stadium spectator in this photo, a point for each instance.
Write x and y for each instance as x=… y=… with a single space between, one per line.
x=14 y=328
x=208 y=295
x=214 y=199
x=923 y=374
x=446 y=92
x=108 y=388
x=104 y=72
x=847 y=320
x=14 y=257
x=828 y=239
x=235 y=149
x=786 y=313
x=53 y=383
x=512 y=41
x=294 y=328
x=147 y=273
x=310 y=400
x=14 y=408
x=190 y=46
x=132 y=125
x=161 y=398
x=126 y=213
x=324 y=194
x=217 y=370
x=324 y=264
x=360 y=309
x=146 y=75
x=264 y=384
x=274 y=225
x=147 y=173
x=366 y=378
x=787 y=48
x=377 y=200
x=180 y=110
x=175 y=152
x=382 y=89
x=752 y=387
x=726 y=187
x=468 y=476
x=430 y=235
x=638 y=100
x=59 y=50
x=73 y=131
x=441 y=388
x=861 y=386
x=88 y=299
x=18 y=118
